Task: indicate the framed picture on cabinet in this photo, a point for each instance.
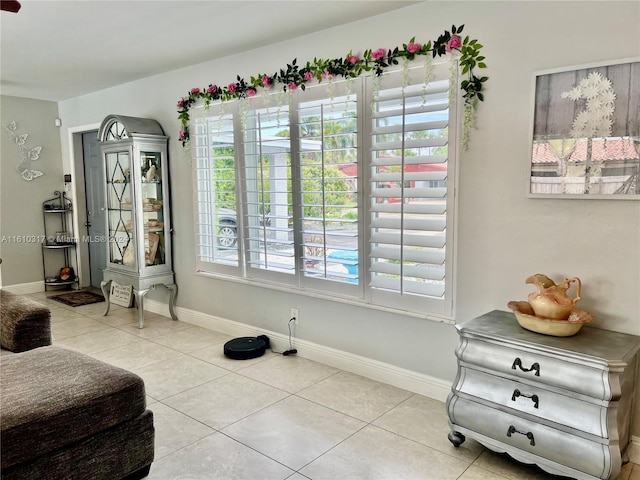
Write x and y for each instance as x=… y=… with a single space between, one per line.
x=586 y=132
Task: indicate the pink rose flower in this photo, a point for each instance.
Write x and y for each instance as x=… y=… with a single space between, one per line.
x=195 y=90
x=212 y=89
x=379 y=53
x=182 y=134
x=454 y=42
x=413 y=47
x=308 y=76
x=181 y=103
x=326 y=75
x=250 y=92
x=352 y=59
x=232 y=88
x=292 y=86
x=265 y=81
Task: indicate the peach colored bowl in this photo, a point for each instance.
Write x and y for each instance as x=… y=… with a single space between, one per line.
x=558 y=328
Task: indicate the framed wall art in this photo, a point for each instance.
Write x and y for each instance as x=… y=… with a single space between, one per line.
x=586 y=132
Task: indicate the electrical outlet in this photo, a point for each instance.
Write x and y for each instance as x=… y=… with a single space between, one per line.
x=295 y=314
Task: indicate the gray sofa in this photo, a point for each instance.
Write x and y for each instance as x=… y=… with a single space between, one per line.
x=24 y=323
x=63 y=414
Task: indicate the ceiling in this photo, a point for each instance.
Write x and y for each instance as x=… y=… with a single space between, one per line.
x=54 y=50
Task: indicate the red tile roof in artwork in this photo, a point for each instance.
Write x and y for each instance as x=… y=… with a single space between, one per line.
x=602 y=150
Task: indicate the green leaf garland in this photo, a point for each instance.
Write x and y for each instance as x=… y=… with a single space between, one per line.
x=295 y=76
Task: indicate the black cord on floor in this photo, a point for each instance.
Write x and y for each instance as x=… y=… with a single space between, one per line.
x=291 y=351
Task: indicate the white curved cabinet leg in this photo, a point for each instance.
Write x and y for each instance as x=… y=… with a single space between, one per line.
x=140 y=302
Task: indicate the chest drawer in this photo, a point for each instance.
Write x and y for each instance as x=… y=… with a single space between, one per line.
x=537 y=366
x=590 y=457
x=533 y=399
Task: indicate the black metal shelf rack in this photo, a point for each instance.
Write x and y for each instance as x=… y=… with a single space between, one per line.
x=57 y=213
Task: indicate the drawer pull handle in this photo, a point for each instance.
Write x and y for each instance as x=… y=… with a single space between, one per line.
x=529 y=435
x=518 y=363
x=534 y=398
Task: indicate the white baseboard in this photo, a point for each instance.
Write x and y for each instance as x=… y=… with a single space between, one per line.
x=634 y=450
x=25 y=288
x=383 y=372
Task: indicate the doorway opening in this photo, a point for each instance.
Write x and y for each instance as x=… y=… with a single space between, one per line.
x=88 y=195
x=94 y=184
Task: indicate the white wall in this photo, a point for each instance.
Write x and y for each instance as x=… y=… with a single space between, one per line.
x=503 y=237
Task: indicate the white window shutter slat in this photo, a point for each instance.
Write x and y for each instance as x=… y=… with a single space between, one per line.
x=410 y=189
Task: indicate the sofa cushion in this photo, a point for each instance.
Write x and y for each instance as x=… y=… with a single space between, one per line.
x=24 y=323
x=52 y=397
x=110 y=455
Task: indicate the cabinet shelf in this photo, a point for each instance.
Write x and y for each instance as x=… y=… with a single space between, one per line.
x=66 y=245
x=57 y=283
x=57 y=210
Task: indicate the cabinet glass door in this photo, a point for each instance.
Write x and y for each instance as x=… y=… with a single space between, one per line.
x=120 y=209
x=153 y=208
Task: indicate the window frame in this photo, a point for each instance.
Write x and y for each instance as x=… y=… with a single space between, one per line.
x=360 y=294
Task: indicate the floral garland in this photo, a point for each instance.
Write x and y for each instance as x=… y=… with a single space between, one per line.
x=295 y=76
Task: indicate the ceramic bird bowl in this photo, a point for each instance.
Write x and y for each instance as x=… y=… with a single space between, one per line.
x=547 y=326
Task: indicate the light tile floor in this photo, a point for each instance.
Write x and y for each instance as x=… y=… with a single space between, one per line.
x=274 y=417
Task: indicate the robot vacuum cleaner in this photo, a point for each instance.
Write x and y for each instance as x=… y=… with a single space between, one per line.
x=244 y=348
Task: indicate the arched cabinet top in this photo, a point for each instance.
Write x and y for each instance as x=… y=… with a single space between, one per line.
x=119 y=127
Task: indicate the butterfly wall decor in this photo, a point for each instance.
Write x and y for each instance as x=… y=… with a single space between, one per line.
x=27 y=155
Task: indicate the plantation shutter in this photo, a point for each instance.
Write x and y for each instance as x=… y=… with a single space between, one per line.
x=270 y=251
x=328 y=151
x=410 y=188
x=215 y=191
x=345 y=189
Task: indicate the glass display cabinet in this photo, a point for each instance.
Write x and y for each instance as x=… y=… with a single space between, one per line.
x=134 y=152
